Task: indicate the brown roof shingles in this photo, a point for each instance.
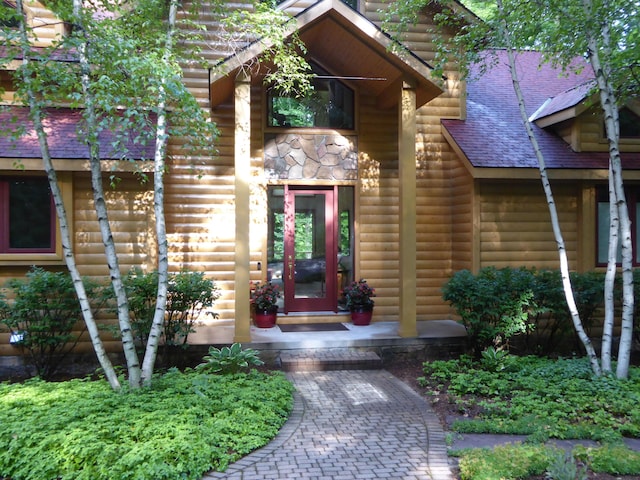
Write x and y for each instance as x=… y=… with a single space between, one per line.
x=493 y=136
x=61 y=126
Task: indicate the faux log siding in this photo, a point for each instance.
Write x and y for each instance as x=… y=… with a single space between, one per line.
x=48 y=27
x=591 y=133
x=377 y=217
x=516 y=228
x=130 y=207
x=200 y=212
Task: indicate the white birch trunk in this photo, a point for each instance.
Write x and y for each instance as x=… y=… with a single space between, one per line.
x=564 y=263
x=609 y=279
x=612 y=129
x=65 y=235
x=158 y=205
x=131 y=357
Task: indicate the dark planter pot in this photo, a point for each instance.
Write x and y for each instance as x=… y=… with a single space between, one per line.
x=265 y=318
x=361 y=315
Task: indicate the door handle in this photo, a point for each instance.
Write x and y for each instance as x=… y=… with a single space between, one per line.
x=290 y=265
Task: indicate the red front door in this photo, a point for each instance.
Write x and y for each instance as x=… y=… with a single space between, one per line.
x=310 y=249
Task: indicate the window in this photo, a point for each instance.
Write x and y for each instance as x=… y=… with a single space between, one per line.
x=27 y=216
x=602 y=224
x=8 y=16
x=629 y=124
x=331 y=105
x=352 y=3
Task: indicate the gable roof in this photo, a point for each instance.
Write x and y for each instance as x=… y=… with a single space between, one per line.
x=347 y=44
x=565 y=105
x=492 y=135
x=61 y=126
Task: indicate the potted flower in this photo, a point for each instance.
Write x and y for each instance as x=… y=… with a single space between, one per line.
x=359 y=301
x=264 y=299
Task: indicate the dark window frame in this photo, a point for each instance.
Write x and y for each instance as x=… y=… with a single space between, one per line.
x=338 y=111
x=5 y=227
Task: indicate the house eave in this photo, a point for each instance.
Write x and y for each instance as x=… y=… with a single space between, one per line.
x=327 y=28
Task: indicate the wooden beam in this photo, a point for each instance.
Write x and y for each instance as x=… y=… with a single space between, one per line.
x=407 y=161
x=242 y=163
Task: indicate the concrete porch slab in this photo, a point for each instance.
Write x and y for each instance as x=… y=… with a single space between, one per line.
x=375 y=334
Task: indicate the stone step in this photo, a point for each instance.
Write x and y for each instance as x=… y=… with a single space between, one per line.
x=329 y=359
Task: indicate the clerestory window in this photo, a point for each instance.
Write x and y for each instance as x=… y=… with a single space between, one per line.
x=330 y=105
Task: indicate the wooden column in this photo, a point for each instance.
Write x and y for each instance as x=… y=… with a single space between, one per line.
x=242 y=163
x=407 y=177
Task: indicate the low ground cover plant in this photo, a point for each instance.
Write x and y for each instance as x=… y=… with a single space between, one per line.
x=544 y=399
x=185 y=425
x=539 y=397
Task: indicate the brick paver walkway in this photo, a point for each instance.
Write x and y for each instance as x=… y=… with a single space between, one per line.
x=351 y=424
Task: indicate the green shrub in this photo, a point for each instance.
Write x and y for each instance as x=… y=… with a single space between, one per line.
x=228 y=360
x=183 y=426
x=42 y=316
x=189 y=293
x=493 y=306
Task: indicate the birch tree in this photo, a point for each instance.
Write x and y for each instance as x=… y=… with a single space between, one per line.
x=35 y=106
x=604 y=32
x=503 y=31
x=601 y=32
x=125 y=76
x=121 y=83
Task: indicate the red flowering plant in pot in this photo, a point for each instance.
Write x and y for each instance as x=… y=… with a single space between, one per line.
x=264 y=300
x=359 y=296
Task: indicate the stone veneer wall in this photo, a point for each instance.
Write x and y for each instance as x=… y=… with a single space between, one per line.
x=307 y=156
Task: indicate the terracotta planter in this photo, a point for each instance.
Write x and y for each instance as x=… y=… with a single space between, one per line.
x=361 y=315
x=265 y=318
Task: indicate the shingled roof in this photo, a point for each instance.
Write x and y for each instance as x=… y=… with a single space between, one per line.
x=492 y=135
x=61 y=126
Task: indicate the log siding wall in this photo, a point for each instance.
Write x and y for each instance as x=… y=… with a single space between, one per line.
x=515 y=227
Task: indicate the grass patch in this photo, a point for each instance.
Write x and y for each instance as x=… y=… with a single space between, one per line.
x=183 y=426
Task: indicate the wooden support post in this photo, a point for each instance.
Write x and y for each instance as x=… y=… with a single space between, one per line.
x=407 y=177
x=242 y=163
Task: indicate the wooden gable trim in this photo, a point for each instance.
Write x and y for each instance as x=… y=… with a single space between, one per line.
x=361 y=32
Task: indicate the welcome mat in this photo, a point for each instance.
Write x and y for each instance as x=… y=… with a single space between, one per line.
x=311 y=327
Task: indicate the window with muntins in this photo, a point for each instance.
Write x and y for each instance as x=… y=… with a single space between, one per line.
x=603 y=220
x=330 y=105
x=27 y=216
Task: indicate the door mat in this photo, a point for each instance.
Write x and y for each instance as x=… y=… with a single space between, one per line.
x=311 y=327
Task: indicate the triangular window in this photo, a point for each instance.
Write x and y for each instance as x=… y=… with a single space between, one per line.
x=629 y=124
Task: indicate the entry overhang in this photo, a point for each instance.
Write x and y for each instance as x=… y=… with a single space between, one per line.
x=346 y=44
